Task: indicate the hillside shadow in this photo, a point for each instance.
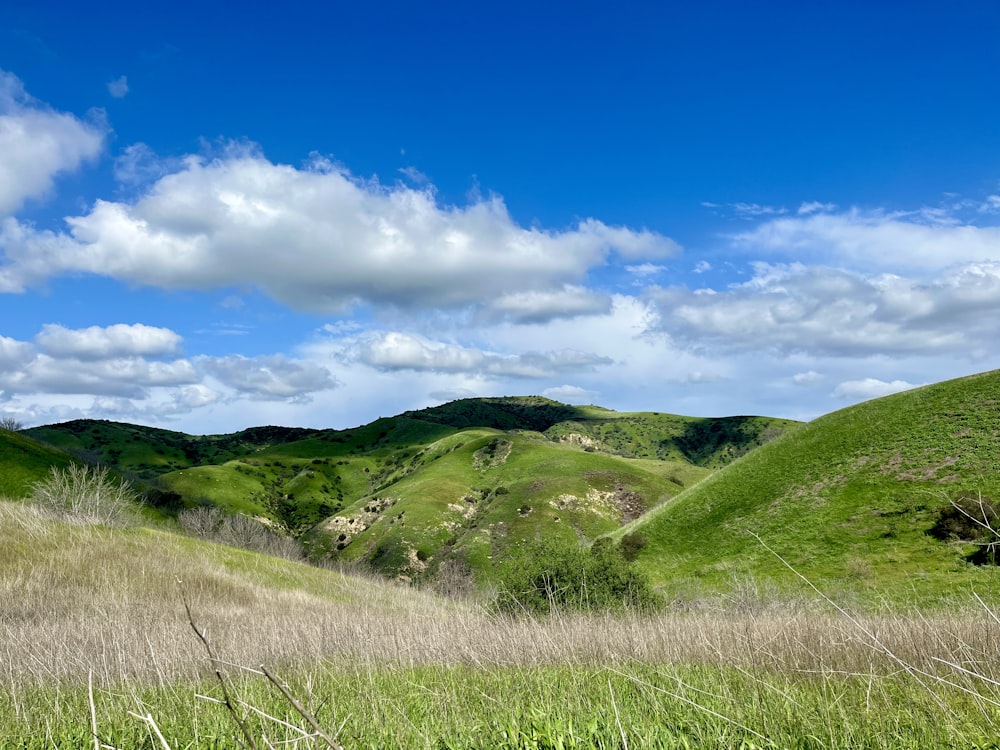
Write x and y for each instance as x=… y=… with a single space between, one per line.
x=707 y=442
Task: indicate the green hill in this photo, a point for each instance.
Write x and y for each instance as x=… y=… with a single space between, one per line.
x=24 y=461
x=854 y=500
x=468 y=497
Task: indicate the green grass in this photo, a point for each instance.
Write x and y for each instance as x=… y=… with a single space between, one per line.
x=645 y=706
x=450 y=502
x=24 y=461
x=846 y=500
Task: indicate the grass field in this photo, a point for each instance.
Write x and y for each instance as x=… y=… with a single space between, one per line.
x=378 y=665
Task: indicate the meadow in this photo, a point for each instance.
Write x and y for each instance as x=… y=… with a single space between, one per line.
x=101 y=650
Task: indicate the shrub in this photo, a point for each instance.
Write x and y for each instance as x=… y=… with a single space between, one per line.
x=552 y=574
x=213 y=524
x=971 y=519
x=90 y=494
x=631 y=545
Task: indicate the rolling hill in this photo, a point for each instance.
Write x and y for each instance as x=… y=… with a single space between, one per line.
x=859 y=499
x=452 y=484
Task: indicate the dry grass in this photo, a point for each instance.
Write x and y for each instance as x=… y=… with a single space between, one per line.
x=76 y=600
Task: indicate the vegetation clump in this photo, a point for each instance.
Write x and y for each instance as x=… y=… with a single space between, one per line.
x=970 y=518
x=87 y=494
x=556 y=575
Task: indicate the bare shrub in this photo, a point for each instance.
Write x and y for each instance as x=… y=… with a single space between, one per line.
x=10 y=424
x=87 y=494
x=213 y=524
x=203 y=521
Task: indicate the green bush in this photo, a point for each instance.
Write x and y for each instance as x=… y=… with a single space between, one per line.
x=548 y=575
x=631 y=545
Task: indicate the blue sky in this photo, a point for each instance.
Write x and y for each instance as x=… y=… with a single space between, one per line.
x=318 y=214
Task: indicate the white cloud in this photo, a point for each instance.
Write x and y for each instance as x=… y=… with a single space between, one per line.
x=991 y=204
x=811 y=207
x=645 y=269
x=702 y=266
x=868 y=388
x=407 y=351
x=755 y=209
x=274 y=377
x=127 y=377
x=14 y=355
x=37 y=143
x=918 y=241
x=118 y=340
x=414 y=175
x=796 y=308
x=118 y=88
x=138 y=164
x=542 y=306
x=570 y=394
x=316 y=239
x=810 y=377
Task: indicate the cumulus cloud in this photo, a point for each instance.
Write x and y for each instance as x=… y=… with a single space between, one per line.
x=118 y=340
x=406 y=351
x=543 y=306
x=127 y=377
x=797 y=308
x=38 y=143
x=274 y=377
x=14 y=354
x=868 y=388
x=316 y=239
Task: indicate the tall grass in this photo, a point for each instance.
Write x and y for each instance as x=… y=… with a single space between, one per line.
x=378 y=665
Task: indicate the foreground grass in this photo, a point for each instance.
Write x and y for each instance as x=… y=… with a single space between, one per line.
x=383 y=666
x=640 y=705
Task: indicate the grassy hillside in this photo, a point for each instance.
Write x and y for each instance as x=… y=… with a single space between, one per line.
x=466 y=498
x=147 y=452
x=410 y=492
x=848 y=500
x=24 y=461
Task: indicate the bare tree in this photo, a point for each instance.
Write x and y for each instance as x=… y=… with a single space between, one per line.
x=10 y=424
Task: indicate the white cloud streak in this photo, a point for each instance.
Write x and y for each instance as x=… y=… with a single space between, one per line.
x=405 y=351
x=919 y=242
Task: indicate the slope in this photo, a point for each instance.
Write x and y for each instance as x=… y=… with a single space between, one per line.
x=24 y=461
x=848 y=500
x=469 y=496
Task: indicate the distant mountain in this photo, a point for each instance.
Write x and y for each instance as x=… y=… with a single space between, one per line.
x=863 y=498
